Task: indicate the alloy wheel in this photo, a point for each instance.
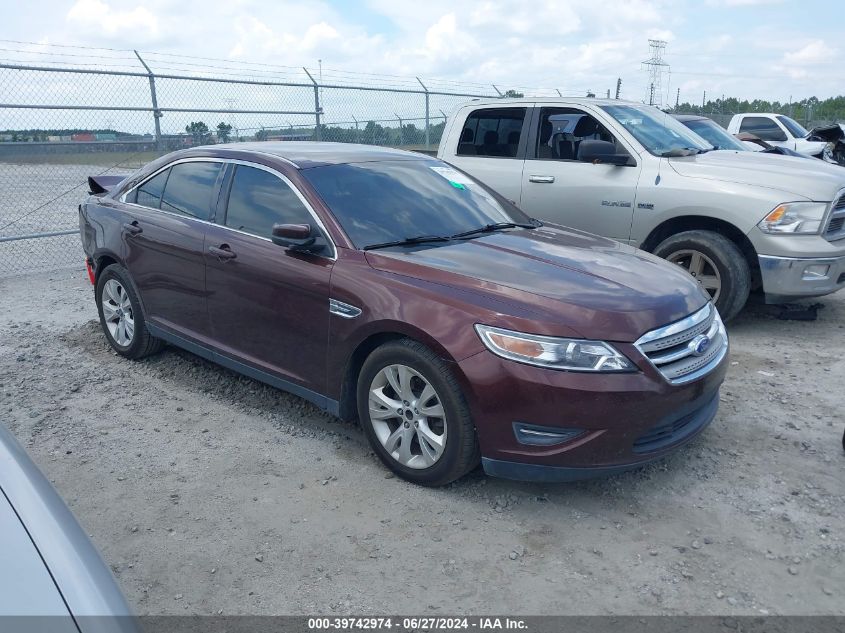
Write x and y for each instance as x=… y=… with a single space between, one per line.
x=407 y=416
x=117 y=312
x=702 y=268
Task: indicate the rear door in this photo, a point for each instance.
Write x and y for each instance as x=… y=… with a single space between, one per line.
x=269 y=306
x=167 y=216
x=597 y=198
x=491 y=147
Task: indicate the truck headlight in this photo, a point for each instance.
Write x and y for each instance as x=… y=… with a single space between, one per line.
x=794 y=217
x=553 y=352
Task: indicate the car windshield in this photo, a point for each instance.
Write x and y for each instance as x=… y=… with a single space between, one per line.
x=796 y=129
x=660 y=133
x=386 y=201
x=715 y=134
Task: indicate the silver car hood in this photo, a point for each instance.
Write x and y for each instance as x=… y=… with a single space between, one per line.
x=57 y=543
x=798 y=178
x=26 y=587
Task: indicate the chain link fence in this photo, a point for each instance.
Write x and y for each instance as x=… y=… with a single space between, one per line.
x=60 y=125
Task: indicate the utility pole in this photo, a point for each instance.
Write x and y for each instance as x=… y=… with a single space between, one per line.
x=677 y=98
x=608 y=93
x=656 y=66
x=231 y=103
x=618 y=86
x=703 y=97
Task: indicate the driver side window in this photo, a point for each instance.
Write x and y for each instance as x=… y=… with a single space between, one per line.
x=259 y=199
x=561 y=131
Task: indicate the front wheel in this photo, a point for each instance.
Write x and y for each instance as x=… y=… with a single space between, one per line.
x=716 y=263
x=414 y=414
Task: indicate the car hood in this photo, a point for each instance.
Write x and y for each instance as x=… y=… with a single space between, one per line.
x=813 y=180
x=595 y=287
x=27 y=589
x=827 y=133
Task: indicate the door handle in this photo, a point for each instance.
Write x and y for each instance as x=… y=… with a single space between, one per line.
x=132 y=228
x=223 y=251
x=541 y=179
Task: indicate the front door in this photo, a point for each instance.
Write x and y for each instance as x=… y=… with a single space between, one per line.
x=269 y=306
x=556 y=186
x=165 y=222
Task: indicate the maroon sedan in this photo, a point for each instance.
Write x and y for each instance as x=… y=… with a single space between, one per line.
x=391 y=287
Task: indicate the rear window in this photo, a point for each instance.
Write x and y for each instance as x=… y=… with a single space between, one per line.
x=492 y=132
x=762 y=127
x=189 y=189
x=148 y=194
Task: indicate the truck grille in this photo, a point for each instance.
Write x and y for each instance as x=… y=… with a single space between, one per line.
x=687 y=349
x=836 y=225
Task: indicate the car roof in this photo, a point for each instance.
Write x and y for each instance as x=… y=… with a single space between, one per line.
x=307 y=154
x=562 y=100
x=690 y=117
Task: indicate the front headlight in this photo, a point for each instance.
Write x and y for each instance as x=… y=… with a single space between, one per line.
x=552 y=352
x=794 y=217
x=827 y=153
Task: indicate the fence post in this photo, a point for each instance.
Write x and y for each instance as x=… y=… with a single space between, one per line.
x=401 y=131
x=357 y=133
x=427 y=127
x=156 y=111
x=497 y=90
x=318 y=134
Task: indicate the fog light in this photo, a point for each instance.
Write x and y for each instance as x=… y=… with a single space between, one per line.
x=543 y=435
x=816 y=271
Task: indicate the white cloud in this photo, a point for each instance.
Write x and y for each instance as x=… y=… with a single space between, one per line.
x=90 y=15
x=814 y=52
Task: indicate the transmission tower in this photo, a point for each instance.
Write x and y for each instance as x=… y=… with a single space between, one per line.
x=655 y=66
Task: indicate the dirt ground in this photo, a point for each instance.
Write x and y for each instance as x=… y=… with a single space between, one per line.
x=208 y=492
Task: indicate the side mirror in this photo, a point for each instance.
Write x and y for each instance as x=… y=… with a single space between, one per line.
x=600 y=152
x=296 y=237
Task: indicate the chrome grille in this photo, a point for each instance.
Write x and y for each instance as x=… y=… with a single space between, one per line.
x=836 y=225
x=673 y=349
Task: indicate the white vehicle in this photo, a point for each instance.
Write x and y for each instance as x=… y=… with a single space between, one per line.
x=782 y=131
x=735 y=220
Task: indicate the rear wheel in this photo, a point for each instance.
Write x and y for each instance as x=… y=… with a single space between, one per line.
x=414 y=414
x=121 y=316
x=716 y=263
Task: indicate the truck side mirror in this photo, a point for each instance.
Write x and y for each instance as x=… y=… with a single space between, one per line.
x=600 y=152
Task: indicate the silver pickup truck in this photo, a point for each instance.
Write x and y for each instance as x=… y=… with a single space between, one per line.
x=737 y=221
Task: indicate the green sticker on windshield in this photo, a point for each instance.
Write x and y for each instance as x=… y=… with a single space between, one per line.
x=454 y=177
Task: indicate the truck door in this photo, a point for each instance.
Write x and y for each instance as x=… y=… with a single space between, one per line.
x=491 y=147
x=556 y=186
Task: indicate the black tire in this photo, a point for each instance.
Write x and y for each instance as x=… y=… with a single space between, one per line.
x=461 y=453
x=734 y=273
x=142 y=343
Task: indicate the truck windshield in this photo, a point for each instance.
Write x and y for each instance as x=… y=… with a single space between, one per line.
x=796 y=129
x=388 y=201
x=715 y=134
x=658 y=132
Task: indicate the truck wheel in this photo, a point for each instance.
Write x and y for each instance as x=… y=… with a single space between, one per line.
x=717 y=264
x=414 y=414
x=121 y=316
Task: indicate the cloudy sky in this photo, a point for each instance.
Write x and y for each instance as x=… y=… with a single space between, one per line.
x=747 y=48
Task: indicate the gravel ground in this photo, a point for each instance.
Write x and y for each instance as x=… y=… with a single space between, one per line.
x=208 y=492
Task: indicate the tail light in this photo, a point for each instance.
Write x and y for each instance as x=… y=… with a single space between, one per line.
x=90 y=269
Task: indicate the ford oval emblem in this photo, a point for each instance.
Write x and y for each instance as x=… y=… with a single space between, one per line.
x=699 y=345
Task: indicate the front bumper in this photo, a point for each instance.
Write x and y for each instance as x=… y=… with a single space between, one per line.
x=626 y=419
x=787 y=278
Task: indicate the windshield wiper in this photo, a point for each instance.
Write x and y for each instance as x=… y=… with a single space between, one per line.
x=419 y=239
x=498 y=226
x=677 y=152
